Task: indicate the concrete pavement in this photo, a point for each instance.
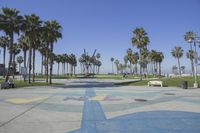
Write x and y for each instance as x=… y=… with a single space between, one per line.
x=98 y=106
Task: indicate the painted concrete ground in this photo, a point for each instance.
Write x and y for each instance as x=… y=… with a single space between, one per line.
x=96 y=106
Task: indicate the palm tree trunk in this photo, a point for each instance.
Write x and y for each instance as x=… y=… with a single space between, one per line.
x=140 y=65
x=152 y=68
x=67 y=68
x=47 y=67
x=98 y=69
x=58 y=68
x=179 y=67
x=192 y=66
x=42 y=64
x=30 y=67
x=156 y=68
x=159 y=68
x=24 y=58
x=64 y=69
x=19 y=67
x=33 y=65
x=51 y=65
x=74 y=70
x=10 y=60
x=192 y=61
x=136 y=69
x=71 y=70
x=4 y=61
x=13 y=65
x=25 y=63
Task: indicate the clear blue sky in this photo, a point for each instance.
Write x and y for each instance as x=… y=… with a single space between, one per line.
x=106 y=25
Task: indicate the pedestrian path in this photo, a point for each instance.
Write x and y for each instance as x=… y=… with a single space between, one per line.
x=94 y=120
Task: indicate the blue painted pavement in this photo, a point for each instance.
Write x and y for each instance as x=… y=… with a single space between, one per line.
x=94 y=120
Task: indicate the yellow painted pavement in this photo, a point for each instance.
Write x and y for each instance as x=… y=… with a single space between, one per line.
x=98 y=98
x=24 y=100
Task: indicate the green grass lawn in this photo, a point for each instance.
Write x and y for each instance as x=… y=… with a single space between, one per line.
x=166 y=82
x=20 y=84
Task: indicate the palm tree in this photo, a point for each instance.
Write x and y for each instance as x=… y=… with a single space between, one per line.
x=177 y=52
x=34 y=47
x=140 y=40
x=11 y=23
x=53 y=32
x=189 y=37
x=4 y=43
x=159 y=59
x=112 y=59
x=19 y=61
x=31 y=28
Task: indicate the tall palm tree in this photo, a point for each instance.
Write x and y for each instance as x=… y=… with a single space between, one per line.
x=11 y=23
x=4 y=43
x=140 y=40
x=112 y=59
x=53 y=32
x=189 y=37
x=177 y=52
x=159 y=59
x=31 y=28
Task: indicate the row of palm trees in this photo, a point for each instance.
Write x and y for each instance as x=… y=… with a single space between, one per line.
x=145 y=58
x=33 y=35
x=90 y=64
x=66 y=60
x=151 y=62
x=191 y=54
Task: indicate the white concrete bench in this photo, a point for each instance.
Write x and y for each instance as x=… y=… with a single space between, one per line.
x=150 y=83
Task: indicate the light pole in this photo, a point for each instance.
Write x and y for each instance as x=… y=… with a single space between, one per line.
x=195 y=40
